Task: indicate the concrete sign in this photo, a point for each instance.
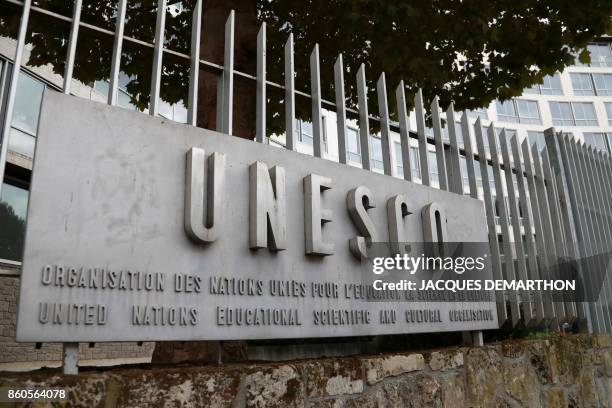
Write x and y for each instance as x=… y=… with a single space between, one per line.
x=143 y=229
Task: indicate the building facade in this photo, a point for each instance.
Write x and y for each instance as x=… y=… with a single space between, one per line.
x=576 y=101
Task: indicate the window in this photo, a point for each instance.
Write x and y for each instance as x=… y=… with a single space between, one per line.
x=25 y=115
x=561 y=113
x=573 y=114
x=458 y=133
x=551 y=85
x=479 y=113
x=584 y=114
x=518 y=111
x=415 y=164
x=603 y=84
x=528 y=111
x=353 y=148
x=582 y=84
x=536 y=138
x=609 y=112
x=597 y=140
x=434 y=176
x=506 y=112
x=464 y=174
x=305 y=133
x=399 y=162
x=13 y=207
x=601 y=55
x=376 y=154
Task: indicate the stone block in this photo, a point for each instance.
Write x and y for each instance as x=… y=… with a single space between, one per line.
x=483 y=368
x=607 y=360
x=333 y=377
x=280 y=386
x=379 y=368
x=588 y=388
x=521 y=383
x=453 y=391
x=554 y=398
x=446 y=360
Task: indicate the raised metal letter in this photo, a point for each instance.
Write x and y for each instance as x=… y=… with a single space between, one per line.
x=359 y=200
x=268 y=207
x=315 y=216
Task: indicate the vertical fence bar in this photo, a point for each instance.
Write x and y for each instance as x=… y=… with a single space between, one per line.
x=503 y=220
x=340 y=108
x=600 y=209
x=419 y=112
x=72 y=43
x=158 y=56
x=228 y=77
x=385 y=130
x=598 y=238
x=117 y=50
x=194 y=77
x=455 y=180
x=502 y=313
x=440 y=157
x=364 y=121
x=402 y=115
x=566 y=168
x=12 y=90
x=521 y=264
x=584 y=177
x=289 y=94
x=532 y=263
x=585 y=244
x=556 y=311
x=605 y=206
x=538 y=223
x=469 y=154
x=261 y=101
x=561 y=174
x=563 y=310
x=317 y=113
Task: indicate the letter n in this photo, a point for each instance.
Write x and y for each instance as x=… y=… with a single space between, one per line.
x=267 y=207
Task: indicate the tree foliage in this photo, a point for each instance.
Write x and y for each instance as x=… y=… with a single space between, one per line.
x=469 y=52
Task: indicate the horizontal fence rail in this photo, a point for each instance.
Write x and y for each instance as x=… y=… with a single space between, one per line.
x=560 y=208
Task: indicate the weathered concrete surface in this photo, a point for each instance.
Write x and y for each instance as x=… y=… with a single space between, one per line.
x=572 y=371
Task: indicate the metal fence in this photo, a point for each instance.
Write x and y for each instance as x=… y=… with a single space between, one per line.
x=560 y=207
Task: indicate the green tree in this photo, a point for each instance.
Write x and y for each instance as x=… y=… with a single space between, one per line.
x=470 y=52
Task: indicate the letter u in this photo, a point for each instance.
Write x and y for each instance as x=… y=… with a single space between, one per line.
x=205 y=184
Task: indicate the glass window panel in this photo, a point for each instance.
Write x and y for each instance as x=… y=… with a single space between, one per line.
x=415 y=164
x=433 y=169
x=13 y=207
x=352 y=143
x=584 y=113
x=608 y=106
x=478 y=113
x=597 y=140
x=551 y=85
x=581 y=83
x=506 y=112
x=601 y=55
x=27 y=104
x=376 y=156
x=603 y=84
x=561 y=113
x=536 y=138
x=305 y=132
x=22 y=143
x=528 y=112
x=399 y=162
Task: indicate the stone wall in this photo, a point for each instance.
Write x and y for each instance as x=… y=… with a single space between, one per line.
x=15 y=355
x=572 y=371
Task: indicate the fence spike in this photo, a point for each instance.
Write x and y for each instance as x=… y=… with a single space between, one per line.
x=402 y=114
x=340 y=108
x=317 y=113
x=385 y=130
x=364 y=117
x=261 y=102
x=289 y=95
